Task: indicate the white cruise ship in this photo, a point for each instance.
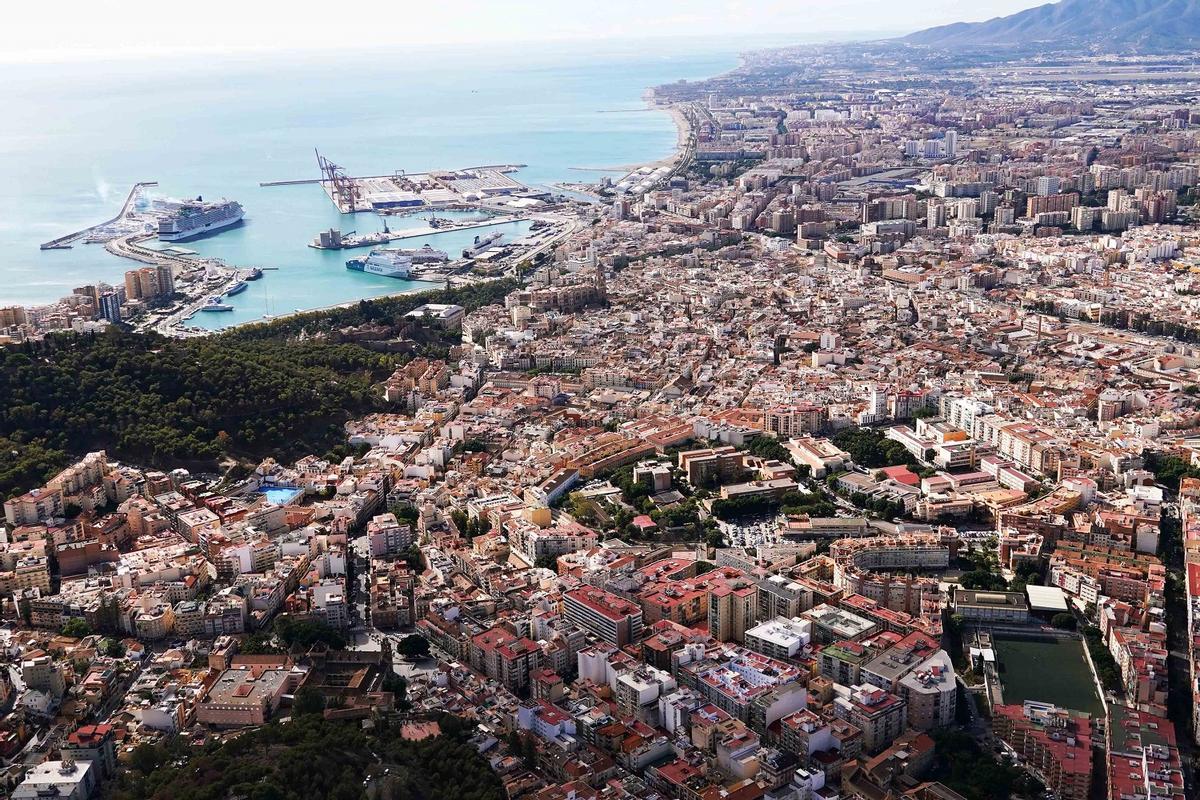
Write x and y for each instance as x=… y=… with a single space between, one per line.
x=386 y=263
x=196 y=218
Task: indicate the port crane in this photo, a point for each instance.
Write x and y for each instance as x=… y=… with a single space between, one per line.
x=341 y=184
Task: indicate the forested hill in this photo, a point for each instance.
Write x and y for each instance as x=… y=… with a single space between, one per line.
x=254 y=391
x=310 y=758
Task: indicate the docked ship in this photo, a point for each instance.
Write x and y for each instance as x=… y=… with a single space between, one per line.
x=385 y=263
x=215 y=304
x=237 y=288
x=196 y=218
x=421 y=255
x=254 y=274
x=482 y=243
x=425 y=254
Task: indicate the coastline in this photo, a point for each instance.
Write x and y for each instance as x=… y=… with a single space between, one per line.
x=226 y=262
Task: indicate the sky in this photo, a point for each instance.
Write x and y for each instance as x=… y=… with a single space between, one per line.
x=53 y=30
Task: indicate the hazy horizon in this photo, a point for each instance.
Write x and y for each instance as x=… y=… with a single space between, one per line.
x=109 y=29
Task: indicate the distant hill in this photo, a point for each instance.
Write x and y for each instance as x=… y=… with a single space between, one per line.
x=1140 y=25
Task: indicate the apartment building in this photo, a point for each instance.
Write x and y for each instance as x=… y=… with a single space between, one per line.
x=879 y=714
x=1054 y=741
x=732 y=609
x=611 y=618
x=780 y=638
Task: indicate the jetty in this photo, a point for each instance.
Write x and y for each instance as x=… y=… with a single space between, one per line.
x=65 y=242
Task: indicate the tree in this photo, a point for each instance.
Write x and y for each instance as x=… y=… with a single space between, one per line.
x=114 y=648
x=304 y=633
x=986 y=581
x=146 y=758
x=547 y=561
x=413 y=646
x=871 y=449
x=308 y=701
x=413 y=557
x=76 y=628
x=405 y=513
x=1063 y=621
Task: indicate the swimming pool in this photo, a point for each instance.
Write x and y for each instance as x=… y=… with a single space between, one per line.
x=282 y=495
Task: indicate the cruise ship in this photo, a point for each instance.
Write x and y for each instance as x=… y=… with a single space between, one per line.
x=386 y=263
x=196 y=218
x=237 y=288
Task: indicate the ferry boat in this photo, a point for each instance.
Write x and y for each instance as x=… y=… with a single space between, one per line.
x=196 y=218
x=215 y=304
x=237 y=288
x=385 y=263
x=482 y=243
x=422 y=255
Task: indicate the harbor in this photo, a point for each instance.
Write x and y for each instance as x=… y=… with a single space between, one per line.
x=488 y=224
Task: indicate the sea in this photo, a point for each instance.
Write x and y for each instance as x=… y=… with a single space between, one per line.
x=77 y=135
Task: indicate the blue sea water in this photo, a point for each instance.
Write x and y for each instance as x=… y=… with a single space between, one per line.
x=76 y=136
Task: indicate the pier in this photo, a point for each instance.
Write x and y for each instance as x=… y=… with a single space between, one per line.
x=65 y=242
x=375 y=239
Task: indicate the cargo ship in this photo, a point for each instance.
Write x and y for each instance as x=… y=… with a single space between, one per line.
x=482 y=243
x=195 y=218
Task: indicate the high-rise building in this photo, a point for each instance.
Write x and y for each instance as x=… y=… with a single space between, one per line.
x=110 y=306
x=11 y=316
x=149 y=283
x=732 y=609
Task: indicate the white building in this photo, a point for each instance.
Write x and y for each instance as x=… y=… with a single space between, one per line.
x=780 y=637
x=59 y=780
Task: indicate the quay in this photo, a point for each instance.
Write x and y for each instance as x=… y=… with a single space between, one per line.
x=65 y=242
x=375 y=239
x=129 y=246
x=504 y=168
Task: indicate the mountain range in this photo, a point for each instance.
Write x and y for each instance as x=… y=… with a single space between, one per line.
x=1135 y=25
